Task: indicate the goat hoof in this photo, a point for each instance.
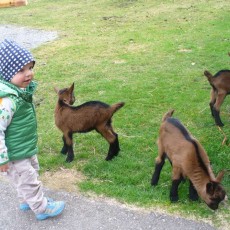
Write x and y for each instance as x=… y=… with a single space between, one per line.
x=68 y=160
x=108 y=158
x=193 y=198
x=111 y=156
x=154 y=183
x=174 y=198
x=155 y=179
x=64 y=151
x=220 y=124
x=117 y=152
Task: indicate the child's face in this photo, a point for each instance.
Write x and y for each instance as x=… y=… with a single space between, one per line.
x=23 y=78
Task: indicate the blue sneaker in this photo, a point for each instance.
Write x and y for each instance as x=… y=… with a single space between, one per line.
x=53 y=209
x=25 y=207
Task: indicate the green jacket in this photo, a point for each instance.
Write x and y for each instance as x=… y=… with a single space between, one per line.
x=21 y=135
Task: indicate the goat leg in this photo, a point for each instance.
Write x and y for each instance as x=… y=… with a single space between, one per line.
x=192 y=192
x=65 y=147
x=216 y=107
x=69 y=143
x=117 y=149
x=156 y=174
x=212 y=102
x=211 y=108
x=70 y=155
x=216 y=115
x=114 y=148
x=174 y=190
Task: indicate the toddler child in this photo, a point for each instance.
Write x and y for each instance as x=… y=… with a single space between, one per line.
x=18 y=130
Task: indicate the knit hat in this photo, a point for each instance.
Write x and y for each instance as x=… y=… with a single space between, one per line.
x=12 y=59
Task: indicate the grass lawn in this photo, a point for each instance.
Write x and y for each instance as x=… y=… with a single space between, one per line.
x=149 y=54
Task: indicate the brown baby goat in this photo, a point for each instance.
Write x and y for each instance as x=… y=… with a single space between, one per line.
x=220 y=83
x=188 y=159
x=92 y=115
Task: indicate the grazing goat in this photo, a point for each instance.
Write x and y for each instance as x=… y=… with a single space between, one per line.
x=188 y=159
x=220 y=83
x=92 y=115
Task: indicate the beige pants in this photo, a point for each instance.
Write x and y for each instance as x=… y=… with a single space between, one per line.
x=24 y=175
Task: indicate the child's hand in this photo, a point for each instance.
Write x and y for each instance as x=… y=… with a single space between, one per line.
x=4 y=168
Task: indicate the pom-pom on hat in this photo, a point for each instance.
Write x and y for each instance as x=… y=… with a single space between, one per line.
x=12 y=59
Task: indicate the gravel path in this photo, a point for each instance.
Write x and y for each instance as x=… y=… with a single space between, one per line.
x=83 y=213
x=28 y=38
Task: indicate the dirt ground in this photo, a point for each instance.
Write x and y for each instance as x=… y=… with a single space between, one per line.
x=64 y=179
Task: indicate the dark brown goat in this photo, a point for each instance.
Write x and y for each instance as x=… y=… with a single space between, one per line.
x=220 y=83
x=92 y=115
x=188 y=159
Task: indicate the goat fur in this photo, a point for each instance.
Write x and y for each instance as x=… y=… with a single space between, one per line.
x=189 y=160
x=92 y=115
x=220 y=83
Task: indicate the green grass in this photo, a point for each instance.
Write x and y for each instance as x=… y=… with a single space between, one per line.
x=149 y=54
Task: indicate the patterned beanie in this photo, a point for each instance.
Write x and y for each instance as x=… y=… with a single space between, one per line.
x=12 y=59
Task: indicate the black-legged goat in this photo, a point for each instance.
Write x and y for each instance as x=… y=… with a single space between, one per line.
x=189 y=160
x=220 y=83
x=92 y=115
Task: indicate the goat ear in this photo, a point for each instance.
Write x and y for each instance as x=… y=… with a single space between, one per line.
x=220 y=176
x=71 y=87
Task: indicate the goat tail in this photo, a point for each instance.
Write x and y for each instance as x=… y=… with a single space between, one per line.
x=116 y=107
x=208 y=75
x=168 y=114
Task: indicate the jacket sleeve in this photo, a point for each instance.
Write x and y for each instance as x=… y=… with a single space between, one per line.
x=7 y=109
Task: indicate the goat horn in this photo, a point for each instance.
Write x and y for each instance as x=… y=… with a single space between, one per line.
x=72 y=86
x=220 y=176
x=56 y=89
x=212 y=176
